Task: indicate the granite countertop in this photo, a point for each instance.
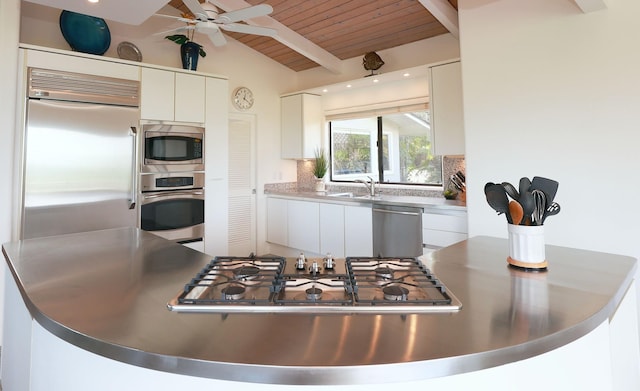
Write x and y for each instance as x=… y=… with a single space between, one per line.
x=107 y=292
x=363 y=199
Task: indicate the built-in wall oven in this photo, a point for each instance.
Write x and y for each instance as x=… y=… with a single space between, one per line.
x=172 y=148
x=172 y=206
x=172 y=182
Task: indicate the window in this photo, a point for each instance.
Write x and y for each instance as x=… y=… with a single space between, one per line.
x=393 y=148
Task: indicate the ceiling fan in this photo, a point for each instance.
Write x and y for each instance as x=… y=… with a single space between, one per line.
x=208 y=20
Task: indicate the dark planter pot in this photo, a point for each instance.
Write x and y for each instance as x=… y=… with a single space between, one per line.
x=190 y=52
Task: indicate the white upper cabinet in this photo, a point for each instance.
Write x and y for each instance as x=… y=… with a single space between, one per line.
x=157 y=94
x=71 y=63
x=190 y=98
x=445 y=85
x=172 y=96
x=302 y=118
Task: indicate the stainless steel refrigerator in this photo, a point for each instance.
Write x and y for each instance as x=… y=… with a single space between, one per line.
x=79 y=154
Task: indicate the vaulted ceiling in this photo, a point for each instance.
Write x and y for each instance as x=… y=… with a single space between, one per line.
x=314 y=33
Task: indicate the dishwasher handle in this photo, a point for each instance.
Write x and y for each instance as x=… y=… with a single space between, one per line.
x=397 y=212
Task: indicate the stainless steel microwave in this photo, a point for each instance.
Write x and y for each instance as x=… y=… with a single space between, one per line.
x=170 y=148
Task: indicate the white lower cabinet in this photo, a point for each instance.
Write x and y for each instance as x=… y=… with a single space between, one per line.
x=319 y=227
x=277 y=221
x=358 y=231
x=441 y=228
x=304 y=225
x=332 y=229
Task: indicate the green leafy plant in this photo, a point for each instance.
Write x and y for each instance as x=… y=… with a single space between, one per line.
x=181 y=39
x=320 y=164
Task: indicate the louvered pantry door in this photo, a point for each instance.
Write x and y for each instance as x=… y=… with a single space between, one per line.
x=242 y=185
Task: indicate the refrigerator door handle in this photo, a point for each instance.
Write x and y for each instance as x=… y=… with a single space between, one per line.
x=134 y=171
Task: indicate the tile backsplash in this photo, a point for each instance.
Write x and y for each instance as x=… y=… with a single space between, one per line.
x=306 y=180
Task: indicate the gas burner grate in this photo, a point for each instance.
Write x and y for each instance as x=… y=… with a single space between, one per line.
x=329 y=289
x=395 y=281
x=271 y=284
x=234 y=281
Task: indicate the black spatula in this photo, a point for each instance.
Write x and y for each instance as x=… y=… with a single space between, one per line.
x=548 y=186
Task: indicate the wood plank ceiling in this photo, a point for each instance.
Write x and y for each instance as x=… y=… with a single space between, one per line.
x=344 y=28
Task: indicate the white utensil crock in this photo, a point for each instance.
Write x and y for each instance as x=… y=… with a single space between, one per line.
x=526 y=244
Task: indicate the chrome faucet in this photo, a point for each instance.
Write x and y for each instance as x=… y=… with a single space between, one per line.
x=371 y=185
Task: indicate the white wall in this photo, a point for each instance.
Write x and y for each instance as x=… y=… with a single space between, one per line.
x=9 y=16
x=553 y=92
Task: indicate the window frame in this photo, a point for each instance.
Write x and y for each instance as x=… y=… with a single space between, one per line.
x=380 y=133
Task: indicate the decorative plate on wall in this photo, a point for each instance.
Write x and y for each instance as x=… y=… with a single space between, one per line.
x=84 y=33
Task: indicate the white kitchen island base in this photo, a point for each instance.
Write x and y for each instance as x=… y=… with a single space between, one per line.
x=583 y=365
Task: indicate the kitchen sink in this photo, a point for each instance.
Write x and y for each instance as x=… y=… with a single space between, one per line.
x=352 y=195
x=342 y=195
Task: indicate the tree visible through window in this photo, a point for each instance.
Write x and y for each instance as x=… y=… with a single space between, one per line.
x=405 y=148
x=351 y=152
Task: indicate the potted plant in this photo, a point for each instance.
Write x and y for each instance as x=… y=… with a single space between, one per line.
x=189 y=50
x=320 y=166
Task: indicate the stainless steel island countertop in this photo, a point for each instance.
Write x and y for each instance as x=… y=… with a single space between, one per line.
x=107 y=292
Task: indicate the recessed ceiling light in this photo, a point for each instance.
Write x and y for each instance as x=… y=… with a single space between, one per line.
x=93 y=1
x=406 y=74
x=348 y=85
x=325 y=90
x=375 y=80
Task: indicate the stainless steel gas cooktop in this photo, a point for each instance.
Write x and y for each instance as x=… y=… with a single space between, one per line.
x=315 y=285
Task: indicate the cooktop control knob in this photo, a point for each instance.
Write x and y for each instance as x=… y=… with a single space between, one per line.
x=301 y=262
x=314 y=269
x=328 y=262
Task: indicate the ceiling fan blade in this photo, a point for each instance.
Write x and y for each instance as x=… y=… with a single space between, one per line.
x=169 y=16
x=175 y=30
x=196 y=9
x=215 y=35
x=245 y=13
x=247 y=29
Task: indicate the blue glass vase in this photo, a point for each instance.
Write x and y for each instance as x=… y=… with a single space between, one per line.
x=190 y=51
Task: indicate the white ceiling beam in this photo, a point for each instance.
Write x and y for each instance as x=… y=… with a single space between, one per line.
x=286 y=36
x=446 y=14
x=591 y=5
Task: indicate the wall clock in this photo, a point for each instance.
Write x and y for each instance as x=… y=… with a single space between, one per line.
x=242 y=98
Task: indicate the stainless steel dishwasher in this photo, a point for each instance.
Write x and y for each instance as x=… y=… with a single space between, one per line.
x=397 y=231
